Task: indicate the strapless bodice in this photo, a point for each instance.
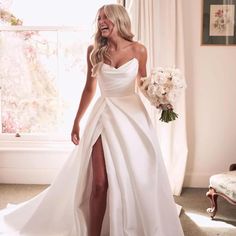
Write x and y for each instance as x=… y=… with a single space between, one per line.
x=118 y=82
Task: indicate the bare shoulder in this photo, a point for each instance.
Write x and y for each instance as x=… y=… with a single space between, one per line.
x=89 y=62
x=139 y=50
x=90 y=48
x=89 y=51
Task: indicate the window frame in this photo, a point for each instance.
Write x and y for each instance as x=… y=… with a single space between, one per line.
x=37 y=138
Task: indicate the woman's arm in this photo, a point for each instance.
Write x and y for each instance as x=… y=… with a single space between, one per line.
x=87 y=95
x=141 y=55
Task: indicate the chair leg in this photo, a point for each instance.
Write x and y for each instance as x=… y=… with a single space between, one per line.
x=212 y=195
x=232 y=167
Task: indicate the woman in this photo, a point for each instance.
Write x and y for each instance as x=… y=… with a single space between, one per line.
x=115 y=182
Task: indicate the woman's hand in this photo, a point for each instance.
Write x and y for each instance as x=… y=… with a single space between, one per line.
x=75 y=133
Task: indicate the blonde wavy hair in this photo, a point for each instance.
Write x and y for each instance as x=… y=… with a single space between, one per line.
x=118 y=15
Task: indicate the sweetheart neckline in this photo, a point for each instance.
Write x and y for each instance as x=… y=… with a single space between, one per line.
x=134 y=58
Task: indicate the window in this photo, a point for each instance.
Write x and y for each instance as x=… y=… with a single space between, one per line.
x=43 y=67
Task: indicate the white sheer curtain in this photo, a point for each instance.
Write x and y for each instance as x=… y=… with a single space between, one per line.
x=158 y=25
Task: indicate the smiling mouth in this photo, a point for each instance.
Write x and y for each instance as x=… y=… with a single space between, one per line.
x=104 y=28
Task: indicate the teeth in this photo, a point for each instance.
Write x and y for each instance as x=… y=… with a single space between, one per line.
x=103 y=27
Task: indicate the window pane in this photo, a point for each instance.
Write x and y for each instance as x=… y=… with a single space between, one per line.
x=57 y=13
x=42 y=76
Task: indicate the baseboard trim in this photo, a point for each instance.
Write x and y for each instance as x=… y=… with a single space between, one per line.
x=27 y=176
x=196 y=180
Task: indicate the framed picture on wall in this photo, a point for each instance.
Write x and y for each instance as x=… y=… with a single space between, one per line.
x=219 y=22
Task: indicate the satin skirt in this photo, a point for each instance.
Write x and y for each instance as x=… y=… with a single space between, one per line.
x=139 y=198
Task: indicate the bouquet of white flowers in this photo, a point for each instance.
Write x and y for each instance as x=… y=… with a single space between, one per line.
x=162 y=88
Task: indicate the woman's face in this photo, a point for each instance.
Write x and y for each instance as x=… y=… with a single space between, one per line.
x=105 y=26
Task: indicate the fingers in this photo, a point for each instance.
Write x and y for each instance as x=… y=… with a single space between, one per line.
x=75 y=138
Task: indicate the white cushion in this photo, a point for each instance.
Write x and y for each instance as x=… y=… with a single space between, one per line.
x=225 y=183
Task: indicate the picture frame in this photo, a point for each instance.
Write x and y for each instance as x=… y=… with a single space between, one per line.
x=218 y=22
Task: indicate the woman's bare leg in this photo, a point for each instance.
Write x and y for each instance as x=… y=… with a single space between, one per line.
x=99 y=189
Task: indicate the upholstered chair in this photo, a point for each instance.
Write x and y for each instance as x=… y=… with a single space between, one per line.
x=224 y=185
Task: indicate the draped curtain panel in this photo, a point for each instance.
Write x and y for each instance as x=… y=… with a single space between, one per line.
x=158 y=25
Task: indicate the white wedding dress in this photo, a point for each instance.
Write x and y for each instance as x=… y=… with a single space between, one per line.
x=139 y=203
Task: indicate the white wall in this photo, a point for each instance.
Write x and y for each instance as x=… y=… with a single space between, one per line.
x=211 y=101
x=31 y=162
